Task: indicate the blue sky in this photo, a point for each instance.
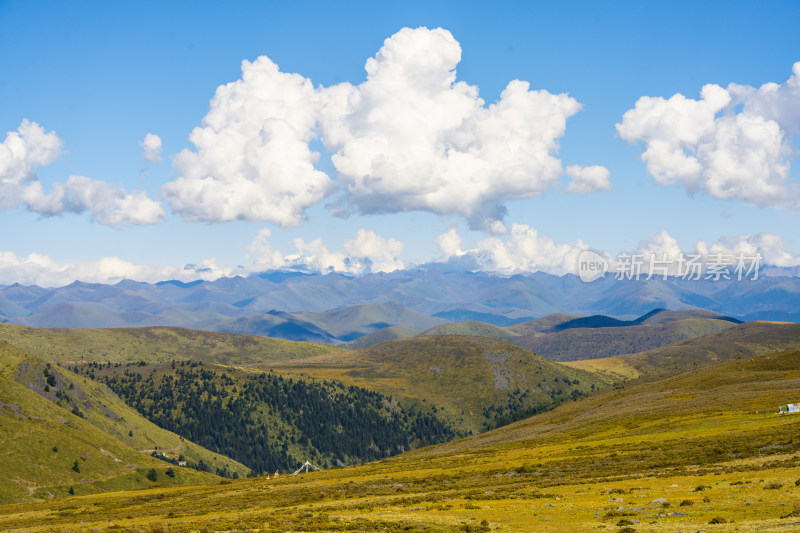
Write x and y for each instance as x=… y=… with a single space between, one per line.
x=100 y=76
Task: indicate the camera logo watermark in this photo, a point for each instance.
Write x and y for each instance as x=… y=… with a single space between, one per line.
x=689 y=267
x=591 y=266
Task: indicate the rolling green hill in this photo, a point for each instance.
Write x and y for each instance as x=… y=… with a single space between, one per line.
x=154 y=344
x=656 y=316
x=475 y=329
x=662 y=316
x=382 y=335
x=703 y=450
x=741 y=341
x=575 y=344
x=268 y=422
x=469 y=328
x=720 y=392
x=562 y=337
x=540 y=325
x=477 y=381
x=50 y=418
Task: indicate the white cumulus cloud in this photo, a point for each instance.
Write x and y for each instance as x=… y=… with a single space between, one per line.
x=38 y=269
x=522 y=250
x=661 y=246
x=662 y=252
x=152 y=148
x=773 y=101
x=252 y=159
x=31 y=147
x=314 y=256
x=587 y=180
x=770 y=246
x=657 y=255
x=449 y=244
x=732 y=143
x=367 y=252
x=370 y=252
x=410 y=137
x=22 y=152
x=108 y=204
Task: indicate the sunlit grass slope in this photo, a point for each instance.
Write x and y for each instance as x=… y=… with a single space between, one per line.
x=270 y=422
x=477 y=329
x=743 y=340
x=699 y=451
x=474 y=379
x=154 y=344
x=41 y=440
x=540 y=325
x=382 y=335
x=591 y=343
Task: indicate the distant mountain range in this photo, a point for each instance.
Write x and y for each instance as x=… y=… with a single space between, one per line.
x=336 y=308
x=563 y=337
x=603 y=336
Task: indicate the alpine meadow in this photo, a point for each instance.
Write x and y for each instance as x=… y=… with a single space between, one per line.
x=422 y=267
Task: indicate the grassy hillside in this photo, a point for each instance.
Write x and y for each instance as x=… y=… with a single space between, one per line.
x=50 y=418
x=743 y=340
x=382 y=335
x=717 y=395
x=700 y=451
x=106 y=411
x=268 y=422
x=477 y=381
x=661 y=316
x=575 y=344
x=562 y=337
x=540 y=325
x=154 y=344
x=656 y=316
x=475 y=329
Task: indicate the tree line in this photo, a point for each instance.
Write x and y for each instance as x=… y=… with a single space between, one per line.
x=269 y=422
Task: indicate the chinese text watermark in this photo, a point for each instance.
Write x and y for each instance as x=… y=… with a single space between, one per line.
x=689 y=267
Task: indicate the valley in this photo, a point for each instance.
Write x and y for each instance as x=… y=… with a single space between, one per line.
x=703 y=450
x=408 y=267
x=663 y=421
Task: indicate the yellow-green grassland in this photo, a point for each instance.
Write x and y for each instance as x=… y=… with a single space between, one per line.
x=701 y=450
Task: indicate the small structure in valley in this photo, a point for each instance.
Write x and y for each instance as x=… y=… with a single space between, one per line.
x=789 y=408
x=305 y=467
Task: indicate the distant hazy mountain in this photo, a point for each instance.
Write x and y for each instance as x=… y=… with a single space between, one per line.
x=382 y=335
x=338 y=308
x=356 y=321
